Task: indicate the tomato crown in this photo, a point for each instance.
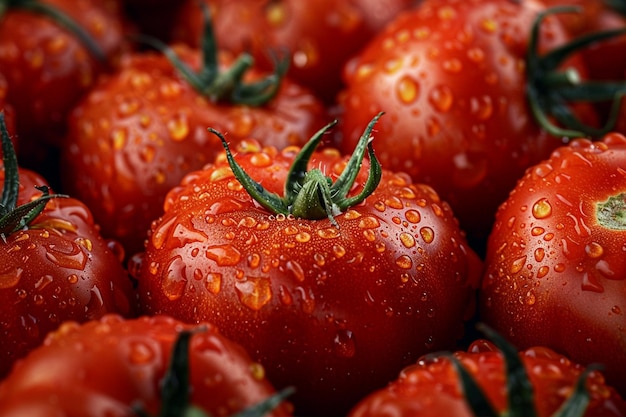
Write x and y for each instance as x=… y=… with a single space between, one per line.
x=175 y=388
x=311 y=194
x=520 y=396
x=12 y=216
x=550 y=90
x=225 y=85
x=60 y=18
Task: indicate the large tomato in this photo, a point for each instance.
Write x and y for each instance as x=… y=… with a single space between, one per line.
x=534 y=382
x=555 y=269
x=330 y=292
x=113 y=367
x=453 y=77
x=54 y=266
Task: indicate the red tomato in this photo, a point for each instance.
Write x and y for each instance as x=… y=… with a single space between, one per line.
x=136 y=134
x=48 y=67
x=330 y=301
x=111 y=366
x=321 y=35
x=555 y=267
x=56 y=267
x=432 y=387
x=451 y=75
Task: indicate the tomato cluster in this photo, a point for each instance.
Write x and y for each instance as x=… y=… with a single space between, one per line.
x=263 y=207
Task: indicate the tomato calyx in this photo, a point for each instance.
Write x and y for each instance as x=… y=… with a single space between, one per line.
x=227 y=85
x=550 y=90
x=175 y=388
x=520 y=396
x=311 y=194
x=60 y=18
x=13 y=217
x=612 y=212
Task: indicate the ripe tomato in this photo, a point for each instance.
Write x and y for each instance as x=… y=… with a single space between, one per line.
x=434 y=387
x=555 y=266
x=49 y=67
x=54 y=267
x=452 y=77
x=329 y=298
x=321 y=35
x=113 y=366
x=136 y=134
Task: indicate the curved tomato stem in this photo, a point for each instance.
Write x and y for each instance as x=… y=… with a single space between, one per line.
x=225 y=85
x=550 y=90
x=12 y=216
x=59 y=17
x=311 y=194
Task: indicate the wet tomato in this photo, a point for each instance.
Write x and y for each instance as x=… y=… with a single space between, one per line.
x=555 y=267
x=534 y=382
x=352 y=274
x=115 y=367
x=454 y=78
x=54 y=265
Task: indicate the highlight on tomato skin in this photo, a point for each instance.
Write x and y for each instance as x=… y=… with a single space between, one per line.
x=554 y=268
x=331 y=304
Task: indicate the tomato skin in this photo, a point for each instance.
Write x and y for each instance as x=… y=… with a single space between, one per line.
x=451 y=77
x=332 y=311
x=136 y=134
x=48 y=68
x=431 y=386
x=554 y=274
x=308 y=30
x=111 y=364
x=60 y=268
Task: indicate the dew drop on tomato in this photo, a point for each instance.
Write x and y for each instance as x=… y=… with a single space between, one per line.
x=344 y=344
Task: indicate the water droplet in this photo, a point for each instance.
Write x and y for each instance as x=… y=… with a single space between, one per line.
x=254 y=292
x=43 y=282
x=590 y=283
x=257 y=371
x=213 y=282
x=174 y=281
x=427 y=234
x=616 y=310
x=476 y=55
x=407 y=90
x=441 y=98
x=559 y=267
x=296 y=270
x=344 y=344
x=452 y=65
x=539 y=254
x=594 y=250
x=339 y=251
x=481 y=107
x=118 y=136
x=72 y=279
x=66 y=255
x=178 y=127
x=407 y=240
x=537 y=231
x=518 y=264
x=530 y=298
x=542 y=209
x=404 y=262
x=224 y=255
x=413 y=216
x=369 y=235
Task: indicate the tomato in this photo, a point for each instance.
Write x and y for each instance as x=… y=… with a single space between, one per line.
x=54 y=265
x=114 y=366
x=453 y=77
x=49 y=67
x=321 y=35
x=331 y=287
x=555 y=270
x=536 y=381
x=136 y=133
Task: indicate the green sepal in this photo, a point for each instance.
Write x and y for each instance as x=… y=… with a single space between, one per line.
x=226 y=85
x=311 y=194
